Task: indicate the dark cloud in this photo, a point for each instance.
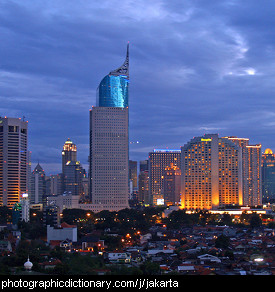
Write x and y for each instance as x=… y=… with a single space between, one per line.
x=195 y=66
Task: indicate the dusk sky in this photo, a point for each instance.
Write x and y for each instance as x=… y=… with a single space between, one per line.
x=196 y=67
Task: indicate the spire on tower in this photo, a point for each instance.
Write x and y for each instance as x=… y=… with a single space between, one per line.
x=124 y=69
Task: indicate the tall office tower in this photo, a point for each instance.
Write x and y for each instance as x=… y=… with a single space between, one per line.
x=37 y=191
x=211 y=172
x=159 y=159
x=54 y=185
x=69 y=153
x=73 y=177
x=14 y=164
x=268 y=176
x=109 y=149
x=252 y=176
x=172 y=185
x=72 y=171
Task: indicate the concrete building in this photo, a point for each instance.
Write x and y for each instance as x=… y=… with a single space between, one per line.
x=251 y=171
x=172 y=185
x=65 y=231
x=268 y=176
x=37 y=189
x=65 y=201
x=69 y=153
x=211 y=171
x=143 y=187
x=159 y=159
x=109 y=141
x=14 y=164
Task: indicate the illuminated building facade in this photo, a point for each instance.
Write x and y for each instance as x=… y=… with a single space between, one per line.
x=69 y=153
x=72 y=171
x=211 y=173
x=160 y=159
x=251 y=169
x=14 y=164
x=109 y=149
x=268 y=176
x=172 y=185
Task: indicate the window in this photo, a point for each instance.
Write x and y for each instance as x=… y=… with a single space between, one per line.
x=13 y=129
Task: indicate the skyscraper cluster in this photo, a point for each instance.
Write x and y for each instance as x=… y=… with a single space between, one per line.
x=208 y=172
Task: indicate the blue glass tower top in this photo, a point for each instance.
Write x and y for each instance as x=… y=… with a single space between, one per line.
x=113 y=88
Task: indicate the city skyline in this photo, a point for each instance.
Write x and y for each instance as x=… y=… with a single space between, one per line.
x=196 y=68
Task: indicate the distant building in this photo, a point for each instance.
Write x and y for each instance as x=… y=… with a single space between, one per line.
x=54 y=185
x=73 y=178
x=14 y=164
x=69 y=153
x=268 y=176
x=172 y=185
x=159 y=159
x=211 y=172
x=65 y=201
x=51 y=216
x=21 y=210
x=64 y=232
x=133 y=173
x=143 y=187
x=143 y=165
x=72 y=171
x=37 y=190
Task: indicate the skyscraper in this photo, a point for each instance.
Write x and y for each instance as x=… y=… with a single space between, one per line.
x=72 y=171
x=251 y=171
x=109 y=149
x=69 y=153
x=159 y=159
x=37 y=190
x=268 y=176
x=211 y=171
x=14 y=164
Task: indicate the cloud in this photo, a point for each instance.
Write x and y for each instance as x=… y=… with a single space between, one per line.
x=195 y=66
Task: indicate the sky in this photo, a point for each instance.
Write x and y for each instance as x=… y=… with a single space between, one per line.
x=196 y=67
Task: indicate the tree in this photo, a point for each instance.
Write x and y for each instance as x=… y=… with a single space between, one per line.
x=255 y=220
x=5 y=214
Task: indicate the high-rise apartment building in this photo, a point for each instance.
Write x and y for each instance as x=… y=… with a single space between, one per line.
x=14 y=164
x=268 y=176
x=109 y=149
x=251 y=171
x=159 y=159
x=211 y=172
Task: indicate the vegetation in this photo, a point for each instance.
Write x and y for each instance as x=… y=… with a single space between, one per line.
x=127 y=225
